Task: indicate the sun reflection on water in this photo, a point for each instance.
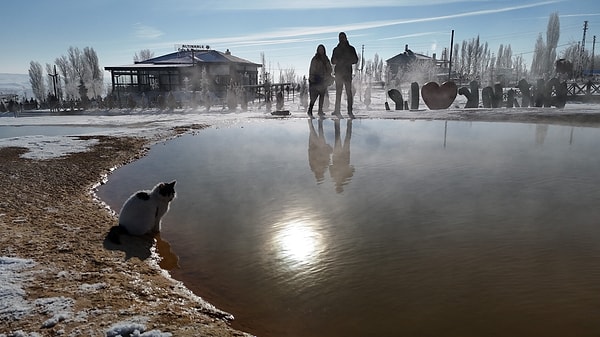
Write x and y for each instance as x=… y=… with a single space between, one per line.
x=297 y=242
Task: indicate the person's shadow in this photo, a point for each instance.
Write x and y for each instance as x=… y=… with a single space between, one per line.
x=141 y=247
x=318 y=150
x=340 y=169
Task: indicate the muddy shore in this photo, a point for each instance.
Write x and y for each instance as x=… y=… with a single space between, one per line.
x=49 y=216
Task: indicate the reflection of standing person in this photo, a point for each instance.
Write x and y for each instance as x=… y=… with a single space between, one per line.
x=318 y=151
x=319 y=79
x=343 y=57
x=340 y=169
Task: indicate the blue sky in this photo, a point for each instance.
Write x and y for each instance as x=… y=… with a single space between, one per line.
x=287 y=32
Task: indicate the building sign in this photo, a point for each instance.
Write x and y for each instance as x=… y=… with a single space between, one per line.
x=193 y=47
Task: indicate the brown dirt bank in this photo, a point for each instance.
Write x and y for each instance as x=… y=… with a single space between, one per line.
x=48 y=215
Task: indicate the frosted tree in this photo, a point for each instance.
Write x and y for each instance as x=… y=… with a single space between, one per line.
x=377 y=71
x=79 y=68
x=552 y=36
x=539 y=54
x=36 y=78
x=455 y=58
x=571 y=53
x=143 y=55
x=519 y=66
x=461 y=68
x=205 y=94
x=499 y=58
x=76 y=63
x=544 y=55
x=67 y=76
x=473 y=57
x=504 y=57
x=94 y=79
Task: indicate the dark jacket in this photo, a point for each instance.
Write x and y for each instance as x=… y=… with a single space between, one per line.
x=344 y=56
x=319 y=74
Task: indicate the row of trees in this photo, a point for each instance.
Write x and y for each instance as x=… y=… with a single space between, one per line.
x=473 y=59
x=76 y=75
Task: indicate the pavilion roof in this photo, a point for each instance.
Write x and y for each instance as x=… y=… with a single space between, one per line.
x=188 y=58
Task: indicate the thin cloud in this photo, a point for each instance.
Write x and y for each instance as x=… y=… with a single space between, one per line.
x=309 y=34
x=146 y=32
x=412 y=35
x=283 y=35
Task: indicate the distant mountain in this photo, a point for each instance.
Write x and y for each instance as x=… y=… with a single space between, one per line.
x=17 y=84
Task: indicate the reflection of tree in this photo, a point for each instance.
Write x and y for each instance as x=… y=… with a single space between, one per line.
x=341 y=171
x=318 y=151
x=541 y=130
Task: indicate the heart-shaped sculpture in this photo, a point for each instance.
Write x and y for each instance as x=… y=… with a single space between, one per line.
x=438 y=97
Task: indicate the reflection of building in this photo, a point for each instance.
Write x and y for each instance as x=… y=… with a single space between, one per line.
x=184 y=71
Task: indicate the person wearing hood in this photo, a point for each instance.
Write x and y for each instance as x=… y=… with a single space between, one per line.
x=319 y=79
x=343 y=57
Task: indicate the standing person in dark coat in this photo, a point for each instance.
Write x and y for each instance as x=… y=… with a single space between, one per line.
x=343 y=57
x=319 y=78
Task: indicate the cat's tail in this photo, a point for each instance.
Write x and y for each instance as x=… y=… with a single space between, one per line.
x=114 y=234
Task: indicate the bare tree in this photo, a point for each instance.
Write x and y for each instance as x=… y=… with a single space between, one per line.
x=36 y=78
x=539 y=54
x=552 y=36
x=544 y=53
x=76 y=63
x=473 y=58
x=504 y=58
x=95 y=78
x=144 y=54
x=67 y=76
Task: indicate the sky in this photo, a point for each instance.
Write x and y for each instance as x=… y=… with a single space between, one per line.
x=286 y=32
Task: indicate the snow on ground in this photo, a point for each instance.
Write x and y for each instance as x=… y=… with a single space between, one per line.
x=12 y=277
x=14 y=305
x=46 y=147
x=14 y=274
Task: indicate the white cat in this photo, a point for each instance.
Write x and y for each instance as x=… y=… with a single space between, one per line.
x=142 y=212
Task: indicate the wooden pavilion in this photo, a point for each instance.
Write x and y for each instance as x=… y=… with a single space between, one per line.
x=188 y=69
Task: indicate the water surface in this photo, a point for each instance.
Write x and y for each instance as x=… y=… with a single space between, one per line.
x=384 y=227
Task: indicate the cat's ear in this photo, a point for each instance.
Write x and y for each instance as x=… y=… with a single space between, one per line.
x=173 y=183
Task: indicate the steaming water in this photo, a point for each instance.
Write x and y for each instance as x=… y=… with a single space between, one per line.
x=414 y=229
x=20 y=131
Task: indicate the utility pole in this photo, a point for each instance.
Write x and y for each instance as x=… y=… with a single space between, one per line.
x=362 y=59
x=451 y=51
x=54 y=80
x=593 y=52
x=582 y=50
